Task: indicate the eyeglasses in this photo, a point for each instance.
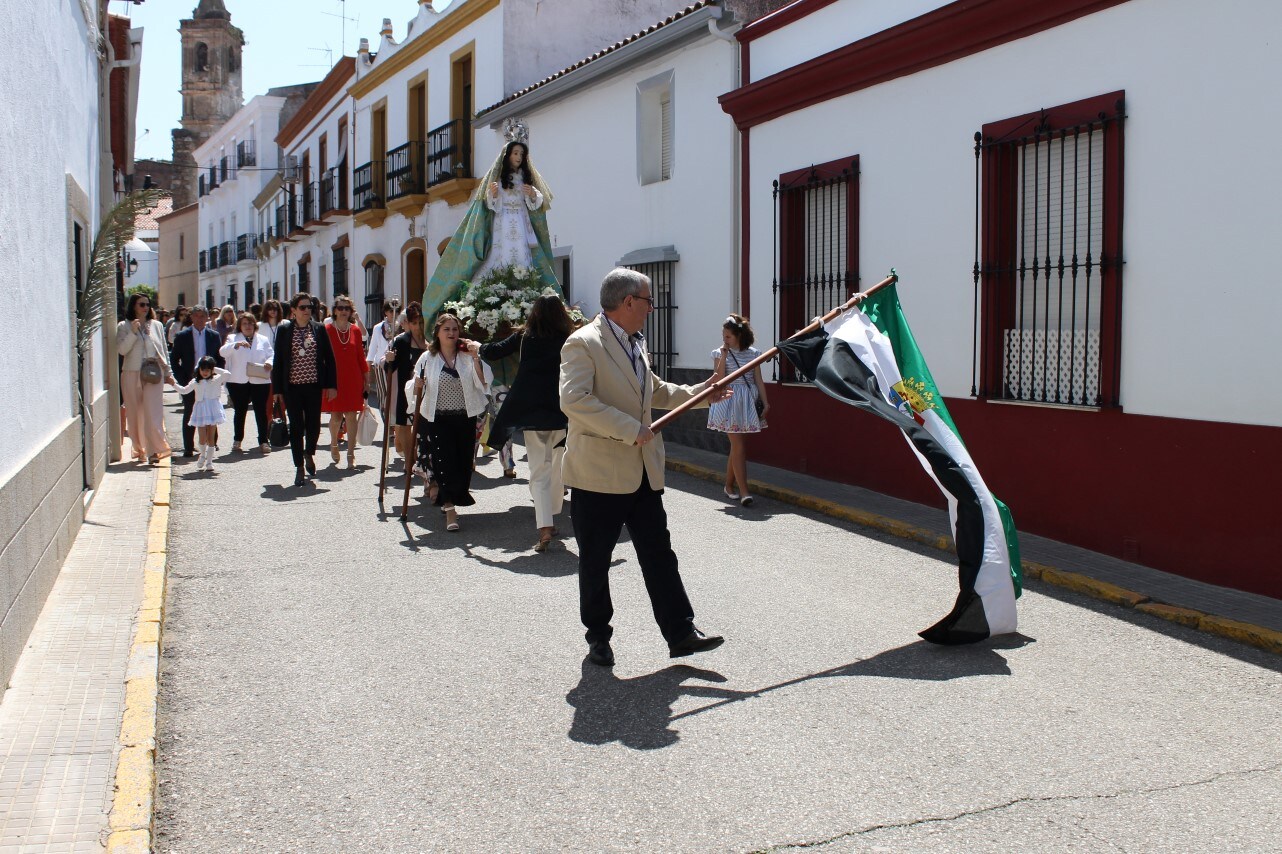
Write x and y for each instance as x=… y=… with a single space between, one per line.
x=145 y=304
x=302 y=306
x=338 y=308
x=647 y=299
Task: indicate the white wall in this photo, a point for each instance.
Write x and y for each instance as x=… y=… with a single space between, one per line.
x=439 y=220
x=830 y=28
x=585 y=146
x=258 y=120
x=1201 y=223
x=51 y=132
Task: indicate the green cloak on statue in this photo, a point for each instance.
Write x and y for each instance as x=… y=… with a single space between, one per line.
x=472 y=242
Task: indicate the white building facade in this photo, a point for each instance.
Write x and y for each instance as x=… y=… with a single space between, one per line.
x=304 y=216
x=416 y=150
x=1063 y=242
x=644 y=168
x=236 y=163
x=59 y=436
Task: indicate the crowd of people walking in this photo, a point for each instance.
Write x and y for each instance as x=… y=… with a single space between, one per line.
x=581 y=397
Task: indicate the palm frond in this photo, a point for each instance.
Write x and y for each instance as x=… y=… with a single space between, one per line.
x=99 y=292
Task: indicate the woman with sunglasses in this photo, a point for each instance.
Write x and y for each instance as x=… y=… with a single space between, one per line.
x=400 y=359
x=349 y=362
x=139 y=338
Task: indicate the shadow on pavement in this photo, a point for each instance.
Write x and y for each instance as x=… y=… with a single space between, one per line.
x=289 y=492
x=636 y=713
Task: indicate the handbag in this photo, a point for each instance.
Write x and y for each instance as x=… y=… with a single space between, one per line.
x=258 y=370
x=151 y=371
x=370 y=426
x=757 y=403
x=278 y=435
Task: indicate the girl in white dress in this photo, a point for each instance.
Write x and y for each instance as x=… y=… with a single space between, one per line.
x=511 y=198
x=739 y=414
x=207 y=411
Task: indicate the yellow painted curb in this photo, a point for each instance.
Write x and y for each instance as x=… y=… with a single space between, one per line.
x=133 y=805
x=1092 y=587
x=1172 y=613
x=1247 y=633
x=129 y=842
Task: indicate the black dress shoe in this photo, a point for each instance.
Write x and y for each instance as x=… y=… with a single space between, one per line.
x=310 y=462
x=188 y=452
x=599 y=652
x=694 y=642
x=299 y=477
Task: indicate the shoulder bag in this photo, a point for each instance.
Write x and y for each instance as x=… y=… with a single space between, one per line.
x=757 y=402
x=151 y=371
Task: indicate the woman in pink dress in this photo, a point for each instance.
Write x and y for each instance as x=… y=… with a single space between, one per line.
x=352 y=370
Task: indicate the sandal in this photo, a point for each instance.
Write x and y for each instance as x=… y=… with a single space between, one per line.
x=333 y=452
x=351 y=459
x=545 y=540
x=451 y=524
x=433 y=489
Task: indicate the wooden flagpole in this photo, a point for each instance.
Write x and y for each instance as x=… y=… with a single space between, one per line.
x=389 y=407
x=662 y=422
x=413 y=453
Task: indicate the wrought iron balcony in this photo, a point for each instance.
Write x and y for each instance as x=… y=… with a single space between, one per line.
x=449 y=152
x=405 y=170
x=224 y=253
x=368 y=185
x=311 y=202
x=212 y=178
x=222 y=169
x=202 y=186
x=245 y=153
x=333 y=190
x=245 y=246
x=200 y=261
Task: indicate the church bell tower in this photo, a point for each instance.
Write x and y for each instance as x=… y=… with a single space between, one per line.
x=211 y=87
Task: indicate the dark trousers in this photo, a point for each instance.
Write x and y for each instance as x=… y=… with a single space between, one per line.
x=303 y=405
x=598 y=520
x=451 y=450
x=243 y=395
x=189 y=432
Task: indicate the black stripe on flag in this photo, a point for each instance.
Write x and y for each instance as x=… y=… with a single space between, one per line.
x=840 y=374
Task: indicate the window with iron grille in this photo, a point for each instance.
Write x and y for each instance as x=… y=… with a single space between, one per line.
x=340 y=271
x=1048 y=255
x=816 y=248
x=373 y=294
x=659 y=264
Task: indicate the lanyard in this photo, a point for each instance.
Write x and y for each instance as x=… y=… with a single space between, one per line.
x=632 y=359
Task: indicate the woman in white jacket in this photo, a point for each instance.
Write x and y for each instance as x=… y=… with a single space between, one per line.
x=453 y=382
x=248 y=354
x=140 y=337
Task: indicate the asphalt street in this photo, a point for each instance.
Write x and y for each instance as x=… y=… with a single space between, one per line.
x=334 y=680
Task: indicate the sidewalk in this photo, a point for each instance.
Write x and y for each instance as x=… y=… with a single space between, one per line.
x=60 y=717
x=1246 y=617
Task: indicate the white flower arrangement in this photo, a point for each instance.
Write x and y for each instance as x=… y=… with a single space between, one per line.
x=504 y=297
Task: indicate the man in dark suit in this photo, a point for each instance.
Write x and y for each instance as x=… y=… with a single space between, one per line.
x=614 y=465
x=303 y=368
x=190 y=345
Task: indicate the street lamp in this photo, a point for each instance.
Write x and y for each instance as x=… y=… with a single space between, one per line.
x=131 y=264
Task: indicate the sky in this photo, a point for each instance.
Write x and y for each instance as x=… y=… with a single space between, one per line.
x=286 y=41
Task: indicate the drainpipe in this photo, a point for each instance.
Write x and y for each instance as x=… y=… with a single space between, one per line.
x=726 y=34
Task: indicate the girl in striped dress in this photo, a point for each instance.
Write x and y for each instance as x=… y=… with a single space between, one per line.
x=744 y=411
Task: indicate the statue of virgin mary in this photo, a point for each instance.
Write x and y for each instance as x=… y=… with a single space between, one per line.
x=505 y=225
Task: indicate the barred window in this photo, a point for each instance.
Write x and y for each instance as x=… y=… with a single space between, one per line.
x=373 y=294
x=817 y=245
x=659 y=264
x=1048 y=255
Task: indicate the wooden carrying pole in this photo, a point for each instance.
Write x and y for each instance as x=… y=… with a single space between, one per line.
x=662 y=422
x=413 y=452
x=389 y=407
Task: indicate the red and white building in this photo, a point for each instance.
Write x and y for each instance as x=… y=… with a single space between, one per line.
x=1086 y=268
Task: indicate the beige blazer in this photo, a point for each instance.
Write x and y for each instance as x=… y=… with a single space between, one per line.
x=606 y=406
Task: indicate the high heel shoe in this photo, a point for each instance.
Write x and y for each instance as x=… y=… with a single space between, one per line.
x=333 y=453
x=451 y=519
x=351 y=459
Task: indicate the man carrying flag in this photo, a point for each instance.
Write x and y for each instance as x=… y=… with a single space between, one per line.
x=869 y=360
